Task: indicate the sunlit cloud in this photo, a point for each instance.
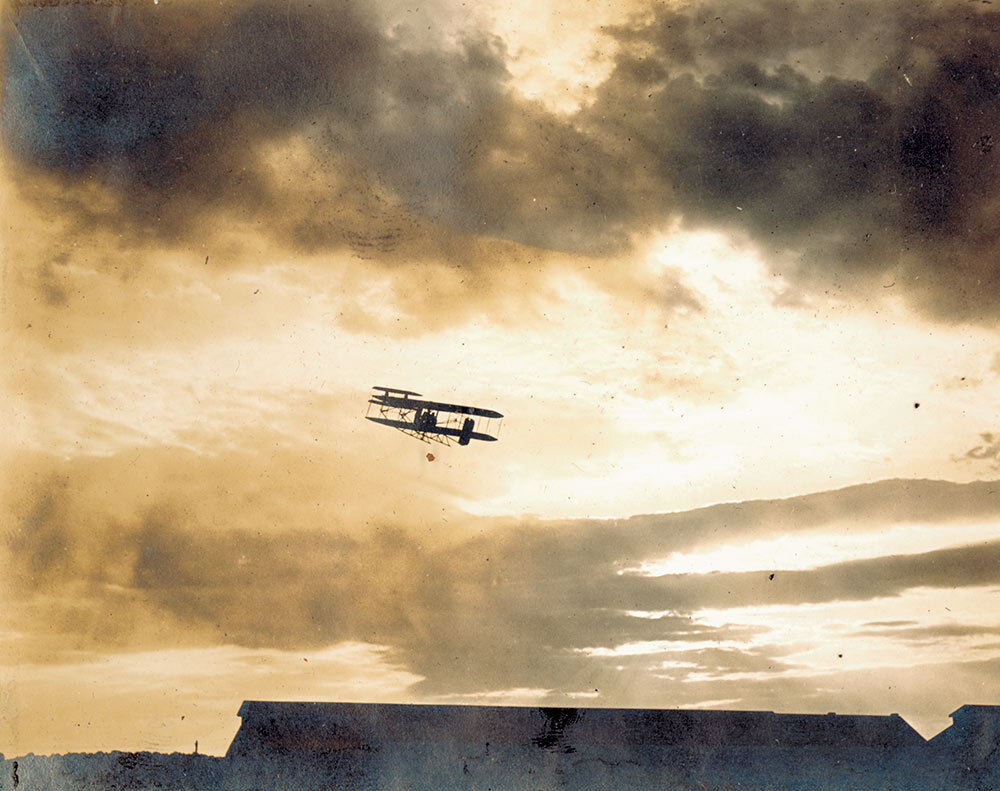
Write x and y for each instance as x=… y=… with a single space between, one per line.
x=654 y=647
x=828 y=637
x=796 y=552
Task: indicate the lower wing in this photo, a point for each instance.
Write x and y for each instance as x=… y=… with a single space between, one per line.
x=448 y=432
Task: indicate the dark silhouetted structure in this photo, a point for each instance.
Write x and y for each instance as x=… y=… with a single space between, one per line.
x=280 y=728
x=973 y=737
x=375 y=747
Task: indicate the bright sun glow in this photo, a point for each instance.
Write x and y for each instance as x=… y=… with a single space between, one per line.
x=815 y=549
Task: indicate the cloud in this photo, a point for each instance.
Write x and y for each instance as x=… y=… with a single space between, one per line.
x=988 y=451
x=937 y=632
x=177 y=116
x=311 y=119
x=722 y=662
x=850 y=581
x=261 y=133
x=887 y=624
x=216 y=564
x=855 y=146
x=853 y=143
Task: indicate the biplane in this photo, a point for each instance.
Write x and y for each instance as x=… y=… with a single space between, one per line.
x=432 y=421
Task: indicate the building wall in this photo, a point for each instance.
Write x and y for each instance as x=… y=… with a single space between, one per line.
x=282 y=727
x=973 y=737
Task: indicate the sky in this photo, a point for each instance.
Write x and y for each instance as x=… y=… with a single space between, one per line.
x=728 y=270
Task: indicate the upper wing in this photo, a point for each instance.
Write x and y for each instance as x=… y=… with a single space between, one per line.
x=437 y=406
x=387 y=390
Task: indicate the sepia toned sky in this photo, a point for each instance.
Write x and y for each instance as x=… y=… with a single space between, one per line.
x=729 y=270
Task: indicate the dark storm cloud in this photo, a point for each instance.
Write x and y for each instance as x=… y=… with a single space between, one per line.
x=549 y=594
x=857 y=140
x=854 y=144
x=172 y=108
